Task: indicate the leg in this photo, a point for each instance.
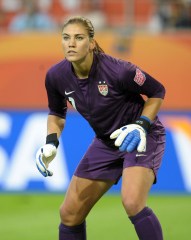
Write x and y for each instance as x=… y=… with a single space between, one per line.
x=136 y=183
x=81 y=196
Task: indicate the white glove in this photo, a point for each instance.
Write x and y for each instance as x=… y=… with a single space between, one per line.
x=130 y=137
x=43 y=157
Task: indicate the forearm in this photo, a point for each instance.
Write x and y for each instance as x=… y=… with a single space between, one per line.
x=55 y=125
x=152 y=107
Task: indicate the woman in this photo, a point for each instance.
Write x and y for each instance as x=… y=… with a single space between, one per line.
x=129 y=138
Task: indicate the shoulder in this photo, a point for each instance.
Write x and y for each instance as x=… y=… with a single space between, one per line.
x=59 y=68
x=114 y=62
x=105 y=58
x=57 y=73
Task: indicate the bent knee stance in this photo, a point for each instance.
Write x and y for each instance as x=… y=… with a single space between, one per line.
x=71 y=217
x=132 y=207
x=72 y=226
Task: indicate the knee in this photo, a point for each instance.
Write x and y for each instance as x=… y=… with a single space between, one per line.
x=64 y=215
x=69 y=216
x=132 y=205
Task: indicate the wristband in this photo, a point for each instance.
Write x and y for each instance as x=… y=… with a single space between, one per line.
x=52 y=138
x=144 y=122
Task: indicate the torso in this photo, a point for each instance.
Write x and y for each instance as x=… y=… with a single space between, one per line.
x=108 y=99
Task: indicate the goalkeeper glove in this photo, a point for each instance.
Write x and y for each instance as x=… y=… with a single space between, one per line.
x=46 y=154
x=132 y=136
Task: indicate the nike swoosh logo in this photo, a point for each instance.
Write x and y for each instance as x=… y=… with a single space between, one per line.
x=68 y=93
x=140 y=155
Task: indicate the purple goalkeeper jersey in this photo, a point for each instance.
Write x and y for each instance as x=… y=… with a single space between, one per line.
x=108 y=99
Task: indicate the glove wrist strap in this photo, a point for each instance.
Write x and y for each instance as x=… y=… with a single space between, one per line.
x=144 y=122
x=52 y=138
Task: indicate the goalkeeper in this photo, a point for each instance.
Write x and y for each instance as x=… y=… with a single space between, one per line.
x=129 y=139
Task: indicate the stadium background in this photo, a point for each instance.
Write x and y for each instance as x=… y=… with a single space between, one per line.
x=125 y=29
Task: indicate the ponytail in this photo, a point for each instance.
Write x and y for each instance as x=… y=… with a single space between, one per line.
x=97 y=48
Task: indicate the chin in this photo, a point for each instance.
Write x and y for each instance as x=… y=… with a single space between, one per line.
x=72 y=59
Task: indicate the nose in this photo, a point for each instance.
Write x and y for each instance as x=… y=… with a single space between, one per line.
x=72 y=42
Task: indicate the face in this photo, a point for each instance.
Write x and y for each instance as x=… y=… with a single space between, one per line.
x=76 y=43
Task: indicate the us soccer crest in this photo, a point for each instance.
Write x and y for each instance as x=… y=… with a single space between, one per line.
x=103 y=88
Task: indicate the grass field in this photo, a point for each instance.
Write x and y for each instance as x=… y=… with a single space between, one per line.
x=36 y=217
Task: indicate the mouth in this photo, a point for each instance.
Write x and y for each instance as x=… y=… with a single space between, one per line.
x=71 y=52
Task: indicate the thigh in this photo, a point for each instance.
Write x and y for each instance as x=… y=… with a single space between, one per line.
x=80 y=197
x=136 y=183
x=151 y=158
x=100 y=162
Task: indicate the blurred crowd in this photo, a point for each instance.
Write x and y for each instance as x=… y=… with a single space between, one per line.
x=171 y=14
x=45 y=15
x=48 y=15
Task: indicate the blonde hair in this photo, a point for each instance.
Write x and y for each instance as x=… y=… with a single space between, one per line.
x=89 y=27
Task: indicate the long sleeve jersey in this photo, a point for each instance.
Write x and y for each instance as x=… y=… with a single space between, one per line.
x=108 y=99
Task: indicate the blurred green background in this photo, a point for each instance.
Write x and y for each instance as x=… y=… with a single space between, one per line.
x=36 y=216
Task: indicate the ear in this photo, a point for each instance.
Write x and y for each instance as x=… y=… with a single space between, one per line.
x=92 y=44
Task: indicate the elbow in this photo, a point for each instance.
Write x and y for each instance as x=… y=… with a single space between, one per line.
x=163 y=92
x=160 y=93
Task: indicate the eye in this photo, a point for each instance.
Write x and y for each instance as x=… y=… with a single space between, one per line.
x=65 y=38
x=79 y=38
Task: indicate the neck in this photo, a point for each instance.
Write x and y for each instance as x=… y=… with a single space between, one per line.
x=82 y=68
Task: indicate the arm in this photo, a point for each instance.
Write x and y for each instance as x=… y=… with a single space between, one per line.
x=55 y=125
x=133 y=136
x=152 y=107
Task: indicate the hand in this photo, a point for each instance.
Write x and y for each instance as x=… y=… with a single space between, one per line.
x=130 y=137
x=43 y=157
